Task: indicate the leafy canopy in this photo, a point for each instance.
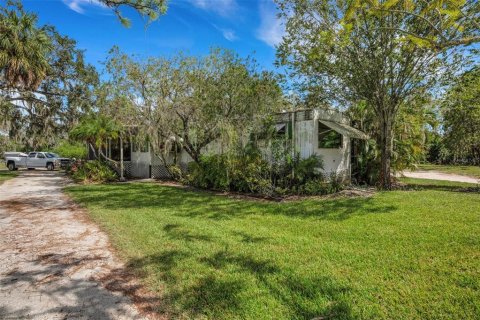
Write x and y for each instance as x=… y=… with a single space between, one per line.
x=444 y=23
x=23 y=48
x=151 y=9
x=461 y=117
x=383 y=53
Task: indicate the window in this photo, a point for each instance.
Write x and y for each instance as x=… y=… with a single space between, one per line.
x=32 y=154
x=328 y=138
x=40 y=156
x=283 y=130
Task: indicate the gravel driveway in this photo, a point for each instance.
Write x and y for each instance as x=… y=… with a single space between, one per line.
x=435 y=175
x=54 y=263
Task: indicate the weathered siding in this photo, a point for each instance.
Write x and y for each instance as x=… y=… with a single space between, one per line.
x=140 y=163
x=304 y=138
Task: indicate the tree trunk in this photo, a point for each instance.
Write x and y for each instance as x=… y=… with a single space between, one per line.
x=386 y=150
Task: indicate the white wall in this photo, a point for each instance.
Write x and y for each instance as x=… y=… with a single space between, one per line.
x=304 y=138
x=141 y=164
x=334 y=160
x=306 y=141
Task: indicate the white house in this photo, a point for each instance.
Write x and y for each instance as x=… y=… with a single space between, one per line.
x=322 y=132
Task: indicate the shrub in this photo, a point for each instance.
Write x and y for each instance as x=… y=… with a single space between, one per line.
x=250 y=173
x=176 y=172
x=315 y=187
x=71 y=150
x=92 y=172
x=209 y=173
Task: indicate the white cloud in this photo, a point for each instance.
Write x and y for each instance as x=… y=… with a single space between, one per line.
x=228 y=34
x=79 y=5
x=221 y=7
x=271 y=29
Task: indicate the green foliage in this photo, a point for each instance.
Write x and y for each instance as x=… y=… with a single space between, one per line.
x=73 y=150
x=347 y=52
x=230 y=173
x=45 y=83
x=322 y=186
x=461 y=118
x=150 y=9
x=176 y=172
x=190 y=100
x=96 y=130
x=438 y=24
x=438 y=152
x=92 y=172
x=249 y=172
x=23 y=48
x=414 y=125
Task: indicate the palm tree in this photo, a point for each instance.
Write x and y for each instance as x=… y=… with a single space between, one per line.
x=96 y=131
x=23 y=49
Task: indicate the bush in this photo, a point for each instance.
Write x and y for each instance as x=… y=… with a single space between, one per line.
x=176 y=172
x=315 y=187
x=220 y=172
x=250 y=173
x=71 y=150
x=92 y=172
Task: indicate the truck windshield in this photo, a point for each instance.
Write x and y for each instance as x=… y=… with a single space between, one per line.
x=52 y=155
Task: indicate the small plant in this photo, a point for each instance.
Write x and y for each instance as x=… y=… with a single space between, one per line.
x=176 y=172
x=92 y=172
x=314 y=187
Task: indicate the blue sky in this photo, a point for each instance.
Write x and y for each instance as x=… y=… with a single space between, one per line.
x=249 y=27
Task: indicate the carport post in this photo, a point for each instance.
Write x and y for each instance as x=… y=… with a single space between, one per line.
x=122 y=178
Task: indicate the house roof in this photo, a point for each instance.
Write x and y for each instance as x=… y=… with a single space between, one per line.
x=345 y=129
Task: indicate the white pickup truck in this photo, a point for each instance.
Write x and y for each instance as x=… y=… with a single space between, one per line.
x=32 y=160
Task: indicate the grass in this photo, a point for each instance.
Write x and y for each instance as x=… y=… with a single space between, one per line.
x=396 y=255
x=472 y=171
x=4 y=174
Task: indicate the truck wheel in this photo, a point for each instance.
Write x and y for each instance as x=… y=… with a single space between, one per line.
x=11 y=166
x=50 y=167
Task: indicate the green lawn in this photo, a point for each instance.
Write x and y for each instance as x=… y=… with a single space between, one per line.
x=472 y=171
x=4 y=174
x=397 y=255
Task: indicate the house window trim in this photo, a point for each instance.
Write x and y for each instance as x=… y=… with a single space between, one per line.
x=341 y=143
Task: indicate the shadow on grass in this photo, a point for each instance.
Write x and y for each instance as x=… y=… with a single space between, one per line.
x=175 y=232
x=246 y=238
x=5 y=175
x=234 y=282
x=198 y=204
x=228 y=284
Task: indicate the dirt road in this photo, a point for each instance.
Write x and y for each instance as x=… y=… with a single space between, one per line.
x=435 y=175
x=54 y=263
